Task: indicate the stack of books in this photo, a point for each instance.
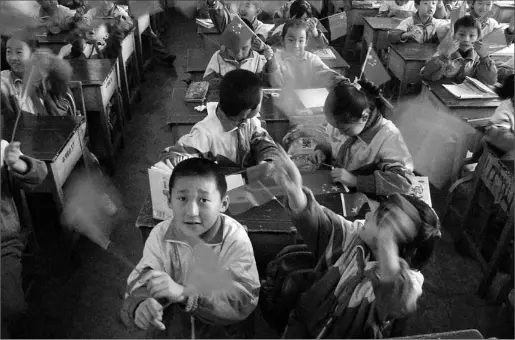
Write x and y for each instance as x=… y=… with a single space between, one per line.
x=197 y=92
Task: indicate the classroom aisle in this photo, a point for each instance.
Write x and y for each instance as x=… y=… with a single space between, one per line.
x=86 y=304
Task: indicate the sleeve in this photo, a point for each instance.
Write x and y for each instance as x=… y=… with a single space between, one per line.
x=394 y=172
x=394 y=36
x=321 y=40
x=195 y=144
x=236 y=304
x=325 y=76
x=502 y=117
x=213 y=68
x=36 y=173
x=276 y=74
x=486 y=71
x=261 y=144
x=324 y=231
x=434 y=69
x=220 y=15
x=385 y=8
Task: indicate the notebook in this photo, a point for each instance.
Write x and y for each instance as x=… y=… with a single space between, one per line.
x=197 y=92
x=324 y=53
x=470 y=89
x=207 y=23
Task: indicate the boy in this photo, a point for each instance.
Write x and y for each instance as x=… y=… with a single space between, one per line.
x=481 y=11
x=421 y=27
x=198 y=200
x=116 y=17
x=231 y=133
x=222 y=16
x=463 y=56
x=28 y=173
x=397 y=9
x=57 y=18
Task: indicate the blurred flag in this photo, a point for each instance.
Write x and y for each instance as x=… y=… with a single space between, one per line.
x=338 y=25
x=495 y=40
x=352 y=204
x=458 y=13
x=139 y=8
x=373 y=69
x=17 y=15
x=236 y=34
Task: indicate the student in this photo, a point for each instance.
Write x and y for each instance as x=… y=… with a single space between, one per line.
x=198 y=200
x=238 y=54
x=368 y=271
x=296 y=67
x=222 y=16
x=116 y=18
x=505 y=70
x=367 y=150
x=28 y=173
x=397 y=9
x=501 y=128
x=421 y=27
x=231 y=133
x=57 y=18
x=481 y=11
x=301 y=9
x=445 y=7
x=463 y=56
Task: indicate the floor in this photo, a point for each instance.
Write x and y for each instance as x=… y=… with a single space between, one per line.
x=86 y=303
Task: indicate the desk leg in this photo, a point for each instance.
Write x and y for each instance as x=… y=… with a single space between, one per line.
x=139 y=51
x=122 y=69
x=57 y=191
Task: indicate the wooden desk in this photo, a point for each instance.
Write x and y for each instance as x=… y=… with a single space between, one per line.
x=503 y=55
x=375 y=32
x=54 y=42
x=355 y=20
x=129 y=73
x=502 y=11
x=100 y=82
x=406 y=60
x=58 y=141
x=143 y=43
x=463 y=334
x=339 y=64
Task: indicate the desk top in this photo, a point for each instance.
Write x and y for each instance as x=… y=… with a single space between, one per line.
x=462 y=334
x=42 y=137
x=415 y=51
x=61 y=38
x=91 y=71
x=504 y=4
x=337 y=63
x=382 y=23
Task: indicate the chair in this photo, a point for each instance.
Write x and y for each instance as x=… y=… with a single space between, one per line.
x=78 y=96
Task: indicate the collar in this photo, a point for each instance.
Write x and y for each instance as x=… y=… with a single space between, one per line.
x=213 y=236
x=418 y=21
x=374 y=125
x=225 y=56
x=227 y=124
x=469 y=55
x=286 y=56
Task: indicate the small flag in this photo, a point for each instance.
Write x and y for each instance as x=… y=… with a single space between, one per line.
x=458 y=13
x=352 y=204
x=373 y=69
x=140 y=8
x=495 y=40
x=236 y=34
x=338 y=25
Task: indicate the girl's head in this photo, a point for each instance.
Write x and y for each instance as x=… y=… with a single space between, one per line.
x=348 y=108
x=18 y=53
x=301 y=9
x=405 y=213
x=295 y=36
x=505 y=91
x=481 y=8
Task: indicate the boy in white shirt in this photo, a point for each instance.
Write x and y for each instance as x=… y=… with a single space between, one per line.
x=397 y=9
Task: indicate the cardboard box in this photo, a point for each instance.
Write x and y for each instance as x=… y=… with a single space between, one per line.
x=159 y=180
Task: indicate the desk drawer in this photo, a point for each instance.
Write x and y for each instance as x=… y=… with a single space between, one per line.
x=69 y=156
x=128 y=46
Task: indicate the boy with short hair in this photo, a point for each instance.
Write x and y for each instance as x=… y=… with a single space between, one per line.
x=421 y=27
x=463 y=56
x=57 y=18
x=231 y=133
x=198 y=200
x=397 y=9
x=119 y=20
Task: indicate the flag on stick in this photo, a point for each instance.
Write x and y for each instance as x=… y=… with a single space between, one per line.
x=236 y=34
x=373 y=69
x=338 y=25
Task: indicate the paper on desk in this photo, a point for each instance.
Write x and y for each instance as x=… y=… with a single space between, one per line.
x=312 y=98
x=495 y=41
x=324 y=53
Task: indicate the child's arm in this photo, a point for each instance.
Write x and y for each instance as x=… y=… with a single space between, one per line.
x=283 y=11
x=441 y=11
x=484 y=69
x=195 y=144
x=275 y=39
x=213 y=68
x=500 y=137
x=27 y=171
x=219 y=14
x=261 y=144
x=434 y=69
x=400 y=33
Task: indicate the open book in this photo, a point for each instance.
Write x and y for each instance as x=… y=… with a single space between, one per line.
x=324 y=53
x=470 y=89
x=207 y=23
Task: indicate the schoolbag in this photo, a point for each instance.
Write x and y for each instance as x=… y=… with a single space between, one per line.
x=288 y=275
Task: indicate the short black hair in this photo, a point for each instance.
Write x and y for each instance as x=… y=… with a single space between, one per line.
x=199 y=167
x=294 y=23
x=505 y=91
x=300 y=7
x=468 y=21
x=417 y=2
x=240 y=90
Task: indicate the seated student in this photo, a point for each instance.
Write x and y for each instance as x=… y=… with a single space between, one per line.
x=236 y=53
x=301 y=9
x=57 y=18
x=28 y=173
x=481 y=11
x=397 y=9
x=222 y=16
x=284 y=11
x=505 y=70
x=421 y=27
x=115 y=17
x=230 y=134
x=463 y=56
x=368 y=271
x=500 y=131
x=445 y=7
x=198 y=200
x=296 y=67
x=367 y=150
x=99 y=44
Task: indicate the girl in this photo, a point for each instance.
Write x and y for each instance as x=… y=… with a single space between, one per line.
x=481 y=11
x=367 y=150
x=301 y=9
x=367 y=270
x=296 y=67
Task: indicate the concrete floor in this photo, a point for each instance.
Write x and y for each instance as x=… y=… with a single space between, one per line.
x=86 y=303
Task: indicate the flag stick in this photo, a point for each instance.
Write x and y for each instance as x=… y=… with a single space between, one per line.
x=332 y=15
x=30 y=79
x=365 y=62
x=270 y=193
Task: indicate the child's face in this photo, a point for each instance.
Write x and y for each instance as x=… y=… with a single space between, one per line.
x=466 y=37
x=196 y=203
x=242 y=53
x=248 y=10
x=17 y=54
x=295 y=41
x=351 y=129
x=426 y=8
x=97 y=34
x=483 y=8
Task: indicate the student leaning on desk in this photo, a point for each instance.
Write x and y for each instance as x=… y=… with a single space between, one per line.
x=481 y=11
x=397 y=9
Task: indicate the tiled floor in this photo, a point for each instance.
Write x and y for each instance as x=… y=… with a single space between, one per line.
x=86 y=304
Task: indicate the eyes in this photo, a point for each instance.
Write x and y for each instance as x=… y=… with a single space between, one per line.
x=184 y=199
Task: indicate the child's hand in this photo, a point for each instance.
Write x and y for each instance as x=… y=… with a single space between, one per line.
x=257 y=44
x=287 y=175
x=448 y=47
x=409 y=34
x=149 y=312
x=344 y=177
x=12 y=155
x=312 y=25
x=480 y=49
x=162 y=286
x=317 y=157
x=268 y=53
x=65 y=51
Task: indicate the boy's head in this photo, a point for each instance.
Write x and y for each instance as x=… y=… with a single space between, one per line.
x=249 y=9
x=97 y=31
x=198 y=195
x=467 y=30
x=48 y=4
x=300 y=9
x=425 y=8
x=481 y=8
x=18 y=53
x=241 y=92
x=295 y=36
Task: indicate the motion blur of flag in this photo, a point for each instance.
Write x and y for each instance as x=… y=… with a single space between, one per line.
x=457 y=13
x=236 y=34
x=373 y=69
x=17 y=15
x=139 y=8
x=338 y=25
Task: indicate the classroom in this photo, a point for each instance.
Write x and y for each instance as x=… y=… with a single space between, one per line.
x=257 y=169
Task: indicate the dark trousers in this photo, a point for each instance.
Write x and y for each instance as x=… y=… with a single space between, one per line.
x=13 y=298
